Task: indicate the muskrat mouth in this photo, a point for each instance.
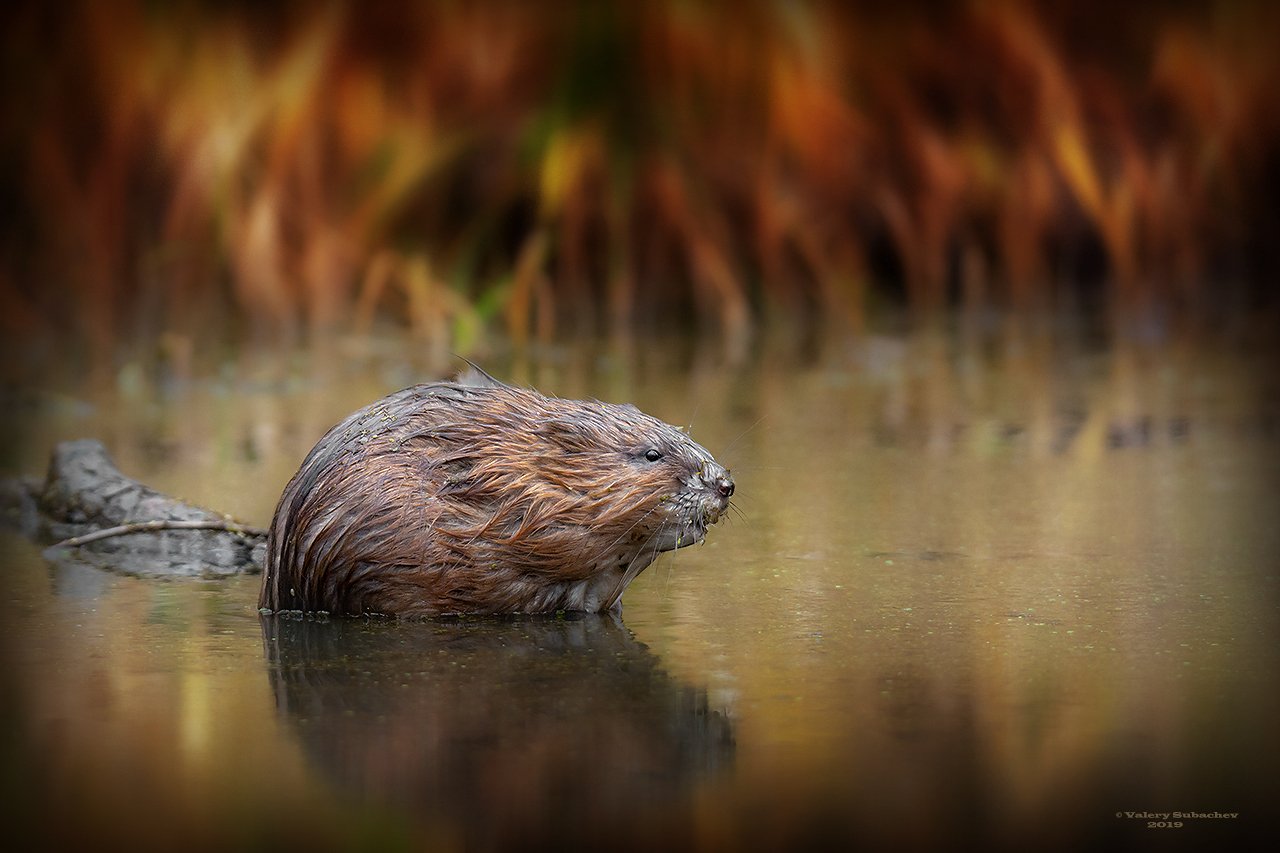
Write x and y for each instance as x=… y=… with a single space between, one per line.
x=691 y=528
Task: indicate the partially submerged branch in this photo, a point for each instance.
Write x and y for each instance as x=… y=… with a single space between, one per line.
x=86 y=499
x=162 y=524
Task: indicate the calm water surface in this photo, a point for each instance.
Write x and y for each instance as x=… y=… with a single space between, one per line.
x=1004 y=594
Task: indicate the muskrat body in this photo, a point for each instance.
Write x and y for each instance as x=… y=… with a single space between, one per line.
x=477 y=497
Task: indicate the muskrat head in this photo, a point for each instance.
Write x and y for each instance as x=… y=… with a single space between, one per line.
x=697 y=487
x=581 y=487
x=630 y=473
x=692 y=490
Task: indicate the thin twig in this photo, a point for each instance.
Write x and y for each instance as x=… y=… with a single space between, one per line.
x=162 y=524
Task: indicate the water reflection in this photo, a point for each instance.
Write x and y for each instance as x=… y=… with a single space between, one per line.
x=511 y=730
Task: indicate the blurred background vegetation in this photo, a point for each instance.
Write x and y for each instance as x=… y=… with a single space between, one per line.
x=178 y=175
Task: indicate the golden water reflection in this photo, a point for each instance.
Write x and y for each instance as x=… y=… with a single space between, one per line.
x=1004 y=592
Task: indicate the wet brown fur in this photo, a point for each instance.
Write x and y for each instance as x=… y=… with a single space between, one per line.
x=478 y=497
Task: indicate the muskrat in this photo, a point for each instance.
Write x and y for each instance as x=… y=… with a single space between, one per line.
x=473 y=496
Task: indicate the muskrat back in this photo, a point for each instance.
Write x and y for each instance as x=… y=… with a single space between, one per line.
x=474 y=496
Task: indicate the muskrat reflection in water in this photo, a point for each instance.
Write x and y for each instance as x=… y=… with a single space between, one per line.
x=515 y=732
x=474 y=496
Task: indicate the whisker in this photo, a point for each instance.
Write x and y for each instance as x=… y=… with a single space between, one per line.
x=628 y=574
x=621 y=535
x=725 y=452
x=656 y=539
x=688 y=429
x=666 y=584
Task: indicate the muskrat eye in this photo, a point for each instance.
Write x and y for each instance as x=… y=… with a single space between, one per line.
x=653 y=454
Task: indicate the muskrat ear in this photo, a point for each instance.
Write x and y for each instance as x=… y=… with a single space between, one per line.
x=475 y=377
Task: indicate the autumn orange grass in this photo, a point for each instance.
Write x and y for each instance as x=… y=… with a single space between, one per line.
x=585 y=168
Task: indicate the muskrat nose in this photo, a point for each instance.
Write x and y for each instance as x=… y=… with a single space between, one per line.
x=725 y=486
x=716 y=479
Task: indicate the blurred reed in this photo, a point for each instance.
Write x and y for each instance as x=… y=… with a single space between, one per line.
x=299 y=171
